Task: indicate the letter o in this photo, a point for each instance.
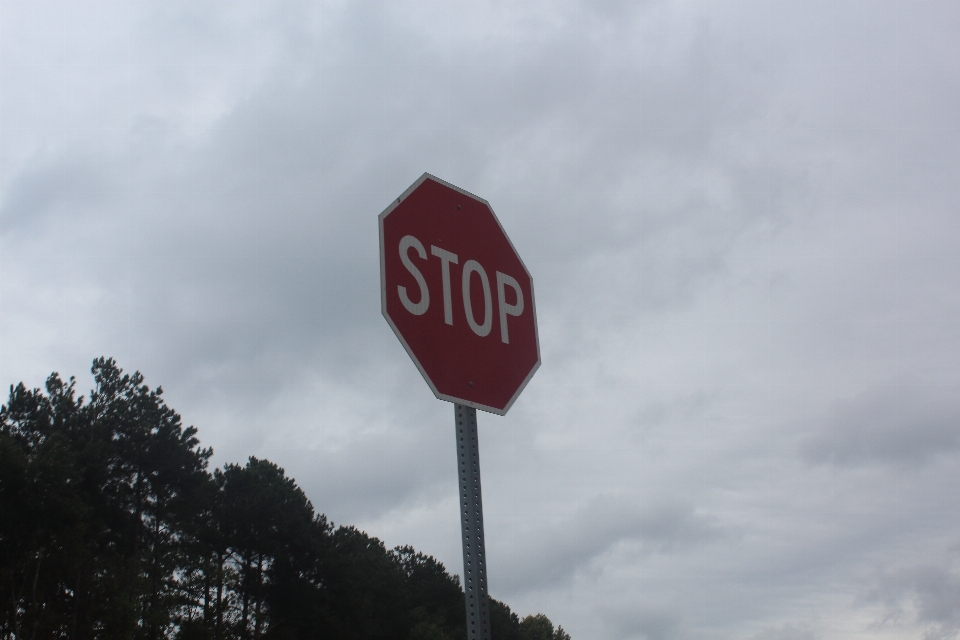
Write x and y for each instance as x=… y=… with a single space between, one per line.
x=469 y=268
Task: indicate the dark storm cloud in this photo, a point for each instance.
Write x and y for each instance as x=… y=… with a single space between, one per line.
x=900 y=422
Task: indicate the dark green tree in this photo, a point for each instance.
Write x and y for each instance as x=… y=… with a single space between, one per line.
x=111 y=527
x=435 y=599
x=539 y=627
x=272 y=538
x=504 y=623
x=46 y=533
x=155 y=486
x=364 y=582
x=96 y=499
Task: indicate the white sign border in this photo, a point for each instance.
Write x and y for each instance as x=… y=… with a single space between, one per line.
x=396 y=331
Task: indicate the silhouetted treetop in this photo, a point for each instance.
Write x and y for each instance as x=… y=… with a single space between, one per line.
x=112 y=526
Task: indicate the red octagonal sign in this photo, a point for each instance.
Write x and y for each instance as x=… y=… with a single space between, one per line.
x=458 y=296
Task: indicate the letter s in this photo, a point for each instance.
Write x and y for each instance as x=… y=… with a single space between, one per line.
x=419 y=308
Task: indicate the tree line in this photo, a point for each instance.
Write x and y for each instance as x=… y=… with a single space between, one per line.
x=113 y=526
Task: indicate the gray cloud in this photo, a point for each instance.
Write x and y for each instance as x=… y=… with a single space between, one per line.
x=897 y=422
x=925 y=596
x=51 y=190
x=551 y=555
x=741 y=220
x=648 y=623
x=787 y=632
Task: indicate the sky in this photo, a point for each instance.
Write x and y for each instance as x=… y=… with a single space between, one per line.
x=742 y=219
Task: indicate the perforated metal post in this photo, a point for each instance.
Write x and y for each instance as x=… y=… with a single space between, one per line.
x=471 y=525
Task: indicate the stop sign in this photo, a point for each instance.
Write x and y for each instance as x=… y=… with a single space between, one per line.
x=457 y=295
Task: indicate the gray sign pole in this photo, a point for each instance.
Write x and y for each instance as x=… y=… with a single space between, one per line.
x=471 y=525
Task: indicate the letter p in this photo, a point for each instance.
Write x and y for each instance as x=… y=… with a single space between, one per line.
x=503 y=280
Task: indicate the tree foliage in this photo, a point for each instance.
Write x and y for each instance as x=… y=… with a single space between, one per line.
x=112 y=526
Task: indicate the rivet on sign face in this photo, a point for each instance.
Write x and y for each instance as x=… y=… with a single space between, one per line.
x=458 y=207
x=470 y=383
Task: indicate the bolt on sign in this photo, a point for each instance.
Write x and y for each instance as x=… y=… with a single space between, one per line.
x=460 y=300
x=458 y=296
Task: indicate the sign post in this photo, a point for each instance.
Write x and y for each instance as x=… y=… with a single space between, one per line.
x=471 y=525
x=460 y=300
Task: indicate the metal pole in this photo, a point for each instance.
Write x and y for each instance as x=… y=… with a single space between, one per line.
x=471 y=525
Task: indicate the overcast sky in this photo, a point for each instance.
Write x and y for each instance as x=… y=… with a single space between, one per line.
x=742 y=218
